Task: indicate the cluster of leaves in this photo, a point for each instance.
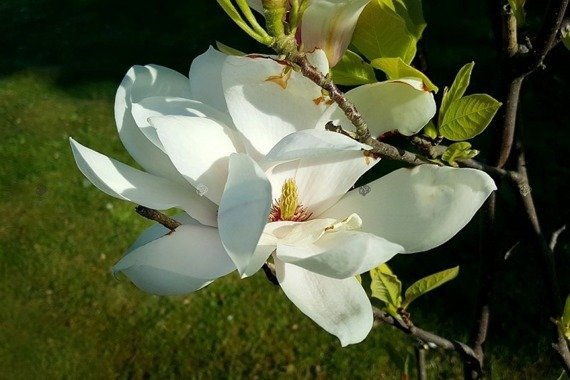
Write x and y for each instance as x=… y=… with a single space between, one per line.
x=386 y=287
x=460 y=118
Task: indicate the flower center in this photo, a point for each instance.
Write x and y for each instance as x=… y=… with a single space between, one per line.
x=287 y=207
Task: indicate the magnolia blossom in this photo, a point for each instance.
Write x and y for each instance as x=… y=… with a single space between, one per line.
x=327 y=25
x=241 y=148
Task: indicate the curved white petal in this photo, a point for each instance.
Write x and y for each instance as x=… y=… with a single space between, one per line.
x=312 y=142
x=158 y=230
x=340 y=254
x=139 y=83
x=170 y=106
x=123 y=182
x=341 y=307
x=244 y=209
x=419 y=208
x=265 y=107
x=329 y=24
x=206 y=79
x=402 y=105
x=322 y=181
x=199 y=148
x=181 y=261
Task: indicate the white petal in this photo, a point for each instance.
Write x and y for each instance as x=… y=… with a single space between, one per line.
x=312 y=142
x=341 y=254
x=199 y=148
x=329 y=24
x=341 y=307
x=244 y=209
x=264 y=111
x=139 y=83
x=158 y=230
x=180 y=262
x=123 y=182
x=401 y=105
x=169 y=106
x=322 y=181
x=419 y=208
x=206 y=79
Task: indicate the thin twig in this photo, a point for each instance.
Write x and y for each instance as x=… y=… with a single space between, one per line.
x=554 y=238
x=312 y=73
x=425 y=336
x=157 y=216
x=421 y=362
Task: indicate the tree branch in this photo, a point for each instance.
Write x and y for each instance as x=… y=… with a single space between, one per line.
x=464 y=350
x=157 y=216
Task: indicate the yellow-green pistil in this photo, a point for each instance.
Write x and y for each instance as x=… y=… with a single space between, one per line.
x=287 y=207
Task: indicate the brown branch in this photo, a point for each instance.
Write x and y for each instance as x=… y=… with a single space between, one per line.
x=464 y=350
x=157 y=216
x=547 y=254
x=561 y=348
x=309 y=71
x=546 y=40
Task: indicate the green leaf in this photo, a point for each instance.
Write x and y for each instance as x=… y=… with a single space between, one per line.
x=352 y=70
x=565 y=320
x=428 y=284
x=386 y=28
x=517 y=7
x=467 y=117
x=458 y=151
x=395 y=68
x=460 y=84
x=228 y=49
x=411 y=11
x=386 y=287
x=430 y=130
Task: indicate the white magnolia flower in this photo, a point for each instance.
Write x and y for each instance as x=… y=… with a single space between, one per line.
x=240 y=147
x=327 y=25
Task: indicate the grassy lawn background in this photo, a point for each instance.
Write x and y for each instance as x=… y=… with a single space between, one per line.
x=63 y=314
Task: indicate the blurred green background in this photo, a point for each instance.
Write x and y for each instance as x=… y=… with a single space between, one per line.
x=62 y=313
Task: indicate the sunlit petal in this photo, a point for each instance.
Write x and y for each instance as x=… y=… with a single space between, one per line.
x=141 y=82
x=179 y=262
x=206 y=79
x=341 y=307
x=244 y=208
x=169 y=106
x=329 y=24
x=341 y=254
x=399 y=105
x=419 y=208
x=268 y=101
x=199 y=148
x=123 y=182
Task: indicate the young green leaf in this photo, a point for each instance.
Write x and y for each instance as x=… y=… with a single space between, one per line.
x=458 y=151
x=382 y=32
x=395 y=68
x=427 y=284
x=468 y=116
x=386 y=287
x=352 y=70
x=460 y=84
x=430 y=130
x=565 y=320
x=228 y=50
